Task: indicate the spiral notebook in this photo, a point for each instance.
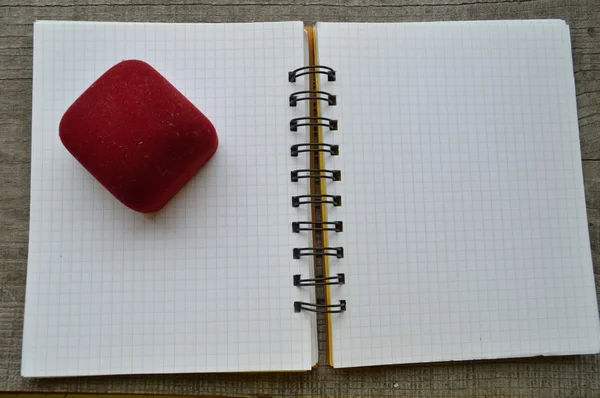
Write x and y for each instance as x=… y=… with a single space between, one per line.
x=431 y=170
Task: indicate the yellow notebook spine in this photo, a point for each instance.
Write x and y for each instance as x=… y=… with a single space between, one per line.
x=318 y=198
x=312 y=39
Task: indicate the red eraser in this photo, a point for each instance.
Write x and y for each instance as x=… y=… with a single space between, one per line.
x=138 y=135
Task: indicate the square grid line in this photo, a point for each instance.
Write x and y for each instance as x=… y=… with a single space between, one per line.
x=205 y=285
x=465 y=227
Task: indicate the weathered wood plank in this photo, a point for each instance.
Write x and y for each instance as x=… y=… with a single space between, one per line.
x=566 y=376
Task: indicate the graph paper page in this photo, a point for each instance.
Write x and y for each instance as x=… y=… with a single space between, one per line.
x=206 y=284
x=465 y=231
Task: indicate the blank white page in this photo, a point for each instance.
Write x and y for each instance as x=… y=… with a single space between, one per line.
x=206 y=284
x=465 y=229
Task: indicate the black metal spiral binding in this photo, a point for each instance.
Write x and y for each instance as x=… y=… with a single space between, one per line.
x=339 y=279
x=333 y=150
x=311 y=70
x=336 y=226
x=335 y=200
x=318 y=199
x=312 y=95
x=334 y=175
x=337 y=252
x=300 y=306
x=313 y=121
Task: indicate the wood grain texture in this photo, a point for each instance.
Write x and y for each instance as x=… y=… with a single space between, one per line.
x=564 y=376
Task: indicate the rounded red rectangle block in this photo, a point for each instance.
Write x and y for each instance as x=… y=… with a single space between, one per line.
x=138 y=135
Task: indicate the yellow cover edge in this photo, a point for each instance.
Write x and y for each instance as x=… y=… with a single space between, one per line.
x=312 y=45
x=311 y=57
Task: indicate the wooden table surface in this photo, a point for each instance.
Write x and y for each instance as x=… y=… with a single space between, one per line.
x=559 y=376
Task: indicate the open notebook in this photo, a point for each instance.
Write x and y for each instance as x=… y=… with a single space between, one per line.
x=451 y=184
